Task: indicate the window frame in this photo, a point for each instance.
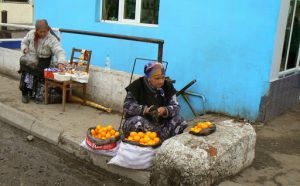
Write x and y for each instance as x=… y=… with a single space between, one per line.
x=279 y=43
x=121 y=20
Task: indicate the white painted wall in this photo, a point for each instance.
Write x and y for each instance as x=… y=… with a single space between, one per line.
x=105 y=87
x=21 y=13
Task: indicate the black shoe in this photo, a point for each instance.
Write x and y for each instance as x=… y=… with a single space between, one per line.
x=25 y=99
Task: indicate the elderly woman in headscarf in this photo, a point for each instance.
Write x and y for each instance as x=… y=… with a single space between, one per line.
x=41 y=44
x=151 y=104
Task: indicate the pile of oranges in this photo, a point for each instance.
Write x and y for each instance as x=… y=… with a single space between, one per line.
x=200 y=126
x=104 y=133
x=144 y=138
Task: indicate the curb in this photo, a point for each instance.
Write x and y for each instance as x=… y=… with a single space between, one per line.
x=29 y=124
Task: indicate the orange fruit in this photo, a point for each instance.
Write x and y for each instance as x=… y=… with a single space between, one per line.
x=199 y=126
x=93 y=132
x=117 y=134
x=103 y=134
x=130 y=138
x=132 y=134
x=104 y=130
x=153 y=135
x=204 y=126
x=156 y=140
x=112 y=132
x=98 y=127
x=109 y=127
x=141 y=134
x=148 y=133
x=108 y=135
x=146 y=139
x=141 y=141
x=99 y=136
x=136 y=138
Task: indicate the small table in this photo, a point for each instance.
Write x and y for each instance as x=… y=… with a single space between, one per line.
x=64 y=85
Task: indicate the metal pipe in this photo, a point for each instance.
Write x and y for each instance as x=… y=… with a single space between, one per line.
x=99 y=34
x=124 y=37
x=116 y=36
x=28 y=27
x=3 y=19
x=186 y=98
x=186 y=87
x=160 y=52
x=200 y=96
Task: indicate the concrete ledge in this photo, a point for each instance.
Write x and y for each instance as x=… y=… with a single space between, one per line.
x=29 y=124
x=16 y=118
x=192 y=160
x=45 y=132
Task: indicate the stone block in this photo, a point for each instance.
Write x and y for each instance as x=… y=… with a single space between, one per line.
x=193 y=160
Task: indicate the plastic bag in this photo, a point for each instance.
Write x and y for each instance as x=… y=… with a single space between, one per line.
x=133 y=157
x=29 y=61
x=111 y=152
x=81 y=78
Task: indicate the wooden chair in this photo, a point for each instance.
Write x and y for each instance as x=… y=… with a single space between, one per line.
x=80 y=59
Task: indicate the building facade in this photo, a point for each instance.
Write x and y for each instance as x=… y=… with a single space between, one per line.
x=18 y=11
x=243 y=54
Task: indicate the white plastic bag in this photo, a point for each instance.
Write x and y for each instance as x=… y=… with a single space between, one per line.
x=81 y=78
x=133 y=157
x=111 y=152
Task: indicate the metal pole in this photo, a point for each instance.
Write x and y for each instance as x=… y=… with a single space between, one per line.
x=3 y=19
x=116 y=36
x=160 y=51
x=124 y=37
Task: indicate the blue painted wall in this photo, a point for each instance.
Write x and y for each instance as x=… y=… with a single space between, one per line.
x=227 y=46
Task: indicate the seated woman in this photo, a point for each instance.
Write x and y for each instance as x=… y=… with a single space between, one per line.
x=42 y=44
x=151 y=104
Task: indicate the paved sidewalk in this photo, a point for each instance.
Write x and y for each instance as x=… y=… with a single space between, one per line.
x=65 y=129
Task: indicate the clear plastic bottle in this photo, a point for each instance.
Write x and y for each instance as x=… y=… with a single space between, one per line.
x=107 y=63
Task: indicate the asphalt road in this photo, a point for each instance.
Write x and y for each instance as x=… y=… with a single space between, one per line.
x=38 y=163
x=277 y=154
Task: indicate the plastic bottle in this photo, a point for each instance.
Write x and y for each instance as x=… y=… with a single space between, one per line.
x=107 y=63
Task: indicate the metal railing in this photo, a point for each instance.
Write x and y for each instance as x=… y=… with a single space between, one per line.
x=99 y=34
x=26 y=27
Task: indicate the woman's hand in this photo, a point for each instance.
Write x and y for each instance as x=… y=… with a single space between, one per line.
x=147 y=110
x=61 y=66
x=162 y=111
x=26 y=50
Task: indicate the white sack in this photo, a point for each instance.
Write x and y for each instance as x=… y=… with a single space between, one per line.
x=134 y=157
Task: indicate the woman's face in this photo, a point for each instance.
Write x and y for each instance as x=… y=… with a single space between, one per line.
x=42 y=32
x=157 y=81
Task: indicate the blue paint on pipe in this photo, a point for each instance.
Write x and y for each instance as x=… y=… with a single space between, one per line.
x=10 y=44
